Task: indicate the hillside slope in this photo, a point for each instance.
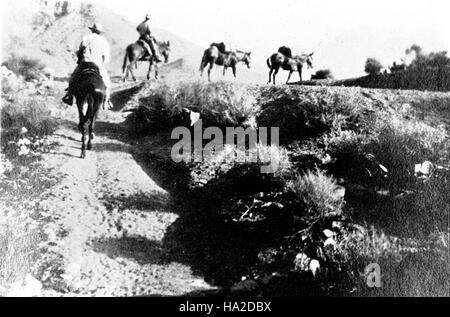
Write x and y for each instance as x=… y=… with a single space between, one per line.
x=40 y=30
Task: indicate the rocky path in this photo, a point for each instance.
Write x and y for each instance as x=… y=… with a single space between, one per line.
x=107 y=219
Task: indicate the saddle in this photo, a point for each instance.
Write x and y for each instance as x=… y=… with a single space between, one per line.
x=85 y=68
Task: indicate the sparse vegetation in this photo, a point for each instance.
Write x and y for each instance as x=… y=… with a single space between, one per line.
x=343 y=149
x=322 y=74
x=372 y=66
x=29 y=68
x=219 y=104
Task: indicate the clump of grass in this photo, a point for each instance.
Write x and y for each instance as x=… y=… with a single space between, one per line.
x=304 y=113
x=318 y=193
x=27 y=67
x=400 y=144
x=17 y=249
x=219 y=104
x=31 y=114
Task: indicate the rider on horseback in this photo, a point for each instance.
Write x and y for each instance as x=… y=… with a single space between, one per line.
x=146 y=38
x=95 y=49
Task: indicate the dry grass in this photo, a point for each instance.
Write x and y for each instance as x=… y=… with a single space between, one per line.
x=319 y=193
x=27 y=67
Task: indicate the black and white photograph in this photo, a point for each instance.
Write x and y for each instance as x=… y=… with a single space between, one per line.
x=212 y=150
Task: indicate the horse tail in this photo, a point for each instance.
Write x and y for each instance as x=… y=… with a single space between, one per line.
x=125 y=61
x=268 y=63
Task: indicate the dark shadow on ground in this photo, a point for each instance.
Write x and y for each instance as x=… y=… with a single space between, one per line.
x=199 y=238
x=68 y=137
x=121 y=98
x=140 y=201
x=139 y=249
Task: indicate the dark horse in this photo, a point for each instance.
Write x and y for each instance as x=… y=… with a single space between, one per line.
x=283 y=59
x=89 y=91
x=136 y=52
x=213 y=55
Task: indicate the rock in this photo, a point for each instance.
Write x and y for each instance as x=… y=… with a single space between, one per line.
x=4 y=71
x=328 y=233
x=329 y=241
x=48 y=73
x=426 y=168
x=301 y=262
x=10 y=81
x=28 y=287
x=314 y=267
x=340 y=191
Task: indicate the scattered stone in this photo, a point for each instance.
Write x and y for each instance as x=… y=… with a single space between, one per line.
x=426 y=168
x=27 y=287
x=314 y=267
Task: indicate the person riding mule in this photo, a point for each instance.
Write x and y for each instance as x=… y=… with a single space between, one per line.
x=146 y=38
x=90 y=93
x=93 y=50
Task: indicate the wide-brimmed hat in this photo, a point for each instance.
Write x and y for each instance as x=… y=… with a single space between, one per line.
x=97 y=27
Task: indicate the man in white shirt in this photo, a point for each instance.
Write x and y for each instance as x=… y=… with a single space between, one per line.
x=95 y=49
x=145 y=35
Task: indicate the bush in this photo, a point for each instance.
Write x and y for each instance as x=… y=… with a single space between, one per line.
x=33 y=114
x=29 y=68
x=230 y=157
x=322 y=74
x=220 y=104
x=372 y=66
x=318 y=193
x=400 y=144
x=308 y=112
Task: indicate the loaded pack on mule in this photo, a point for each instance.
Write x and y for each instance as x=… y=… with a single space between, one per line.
x=285 y=60
x=219 y=54
x=144 y=50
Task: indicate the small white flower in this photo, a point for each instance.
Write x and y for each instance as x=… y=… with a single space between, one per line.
x=23 y=130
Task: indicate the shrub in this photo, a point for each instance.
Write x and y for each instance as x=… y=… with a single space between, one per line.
x=220 y=104
x=308 y=112
x=372 y=66
x=400 y=144
x=29 y=68
x=33 y=114
x=230 y=157
x=322 y=74
x=318 y=193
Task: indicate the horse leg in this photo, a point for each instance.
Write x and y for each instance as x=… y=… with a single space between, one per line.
x=130 y=68
x=82 y=128
x=93 y=120
x=274 y=75
x=211 y=64
x=234 y=70
x=224 y=70
x=289 y=76
x=270 y=76
x=156 y=71
x=149 y=69
x=300 y=74
x=202 y=66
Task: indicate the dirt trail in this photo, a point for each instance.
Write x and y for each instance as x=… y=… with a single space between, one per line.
x=107 y=220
